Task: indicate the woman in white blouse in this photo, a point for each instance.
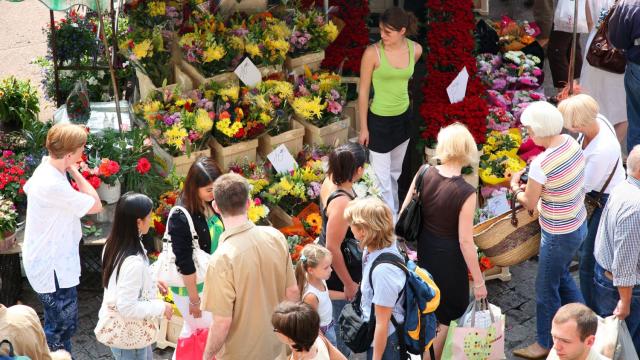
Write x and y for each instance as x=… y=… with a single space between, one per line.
x=125 y=270
x=602 y=154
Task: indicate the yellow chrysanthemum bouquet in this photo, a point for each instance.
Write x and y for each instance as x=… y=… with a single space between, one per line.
x=279 y=95
x=146 y=50
x=180 y=123
x=499 y=158
x=312 y=33
x=319 y=97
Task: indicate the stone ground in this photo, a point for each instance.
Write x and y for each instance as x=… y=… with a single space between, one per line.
x=21 y=39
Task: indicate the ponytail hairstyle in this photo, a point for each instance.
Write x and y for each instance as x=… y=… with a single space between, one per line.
x=310 y=257
x=345 y=160
x=396 y=18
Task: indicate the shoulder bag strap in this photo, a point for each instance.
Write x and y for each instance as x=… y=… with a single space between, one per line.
x=192 y=229
x=606 y=183
x=420 y=179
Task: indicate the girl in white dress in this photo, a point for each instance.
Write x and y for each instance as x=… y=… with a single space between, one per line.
x=605 y=87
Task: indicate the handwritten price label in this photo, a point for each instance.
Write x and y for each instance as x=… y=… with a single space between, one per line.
x=248 y=73
x=282 y=160
x=458 y=87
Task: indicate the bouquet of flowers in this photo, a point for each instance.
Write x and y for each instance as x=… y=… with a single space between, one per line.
x=160 y=215
x=163 y=14
x=258 y=212
x=145 y=48
x=319 y=98
x=499 y=158
x=279 y=94
x=499 y=119
x=515 y=35
x=8 y=217
x=204 y=45
x=177 y=121
x=368 y=184
x=306 y=227
x=76 y=37
x=13 y=176
x=311 y=33
x=294 y=190
x=261 y=37
x=257 y=174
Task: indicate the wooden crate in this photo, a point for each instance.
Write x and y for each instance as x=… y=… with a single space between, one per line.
x=481 y=7
x=333 y=134
x=226 y=155
x=292 y=139
x=297 y=64
x=199 y=79
x=169 y=332
x=181 y=163
x=497 y=272
x=351 y=108
x=278 y=217
x=146 y=86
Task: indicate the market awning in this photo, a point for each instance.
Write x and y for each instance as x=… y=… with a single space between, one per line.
x=62 y=5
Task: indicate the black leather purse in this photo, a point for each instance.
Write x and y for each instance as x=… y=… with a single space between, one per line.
x=356 y=333
x=410 y=220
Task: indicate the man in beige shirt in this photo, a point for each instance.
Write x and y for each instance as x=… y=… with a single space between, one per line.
x=248 y=276
x=20 y=325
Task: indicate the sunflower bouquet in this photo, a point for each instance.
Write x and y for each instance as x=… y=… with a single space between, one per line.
x=145 y=48
x=179 y=123
x=319 y=97
x=311 y=32
x=499 y=159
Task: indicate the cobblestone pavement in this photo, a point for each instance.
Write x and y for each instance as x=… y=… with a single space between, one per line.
x=515 y=298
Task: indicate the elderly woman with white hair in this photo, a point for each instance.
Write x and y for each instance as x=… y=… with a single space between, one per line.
x=556 y=187
x=445 y=245
x=603 y=172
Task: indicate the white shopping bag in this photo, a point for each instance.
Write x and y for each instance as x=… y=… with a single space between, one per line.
x=564 y=16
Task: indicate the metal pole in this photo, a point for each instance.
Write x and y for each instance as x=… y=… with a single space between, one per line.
x=111 y=70
x=56 y=76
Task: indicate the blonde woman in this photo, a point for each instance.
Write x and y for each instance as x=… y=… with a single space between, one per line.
x=602 y=154
x=445 y=245
x=371 y=222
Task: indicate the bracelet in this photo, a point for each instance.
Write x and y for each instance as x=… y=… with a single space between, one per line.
x=478 y=286
x=516 y=193
x=195 y=304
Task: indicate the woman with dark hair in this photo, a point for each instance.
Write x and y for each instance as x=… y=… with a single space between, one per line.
x=297 y=325
x=346 y=166
x=196 y=198
x=385 y=126
x=127 y=283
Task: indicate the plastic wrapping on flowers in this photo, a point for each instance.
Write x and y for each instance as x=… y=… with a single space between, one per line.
x=499 y=157
x=319 y=97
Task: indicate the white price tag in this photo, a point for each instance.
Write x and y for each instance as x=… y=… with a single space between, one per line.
x=458 y=87
x=281 y=159
x=248 y=73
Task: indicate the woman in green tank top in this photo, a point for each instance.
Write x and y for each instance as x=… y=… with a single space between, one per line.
x=385 y=125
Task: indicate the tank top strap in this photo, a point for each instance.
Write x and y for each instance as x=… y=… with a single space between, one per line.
x=382 y=55
x=375 y=46
x=412 y=50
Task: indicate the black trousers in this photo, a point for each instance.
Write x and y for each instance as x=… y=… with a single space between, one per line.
x=559 y=54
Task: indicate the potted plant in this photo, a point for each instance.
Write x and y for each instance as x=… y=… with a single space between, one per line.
x=8 y=223
x=318 y=101
x=18 y=104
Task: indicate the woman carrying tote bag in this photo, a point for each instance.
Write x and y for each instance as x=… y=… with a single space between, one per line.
x=196 y=198
x=129 y=291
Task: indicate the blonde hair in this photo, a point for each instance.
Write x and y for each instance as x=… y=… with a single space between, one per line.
x=373 y=217
x=63 y=139
x=543 y=118
x=579 y=111
x=455 y=143
x=310 y=257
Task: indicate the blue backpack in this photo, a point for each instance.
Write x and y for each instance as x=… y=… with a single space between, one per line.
x=422 y=298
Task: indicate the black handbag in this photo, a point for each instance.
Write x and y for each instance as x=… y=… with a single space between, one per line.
x=356 y=333
x=410 y=220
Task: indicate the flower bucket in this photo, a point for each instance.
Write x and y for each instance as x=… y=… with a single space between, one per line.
x=333 y=134
x=292 y=139
x=109 y=193
x=235 y=153
x=297 y=64
x=7 y=241
x=199 y=79
x=181 y=163
x=146 y=86
x=351 y=110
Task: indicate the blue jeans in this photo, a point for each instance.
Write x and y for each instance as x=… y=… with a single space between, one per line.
x=554 y=284
x=133 y=354
x=606 y=298
x=391 y=351
x=587 y=260
x=60 y=316
x=330 y=334
x=632 y=88
x=337 y=309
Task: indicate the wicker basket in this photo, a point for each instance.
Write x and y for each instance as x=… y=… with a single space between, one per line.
x=510 y=238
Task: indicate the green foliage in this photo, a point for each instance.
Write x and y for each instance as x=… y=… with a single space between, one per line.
x=18 y=102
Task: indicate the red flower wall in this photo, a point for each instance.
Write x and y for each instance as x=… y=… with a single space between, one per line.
x=450 y=47
x=353 y=39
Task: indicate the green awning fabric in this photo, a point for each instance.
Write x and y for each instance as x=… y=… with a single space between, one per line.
x=62 y=5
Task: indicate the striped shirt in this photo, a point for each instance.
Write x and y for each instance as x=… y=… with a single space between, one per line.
x=617 y=247
x=560 y=170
